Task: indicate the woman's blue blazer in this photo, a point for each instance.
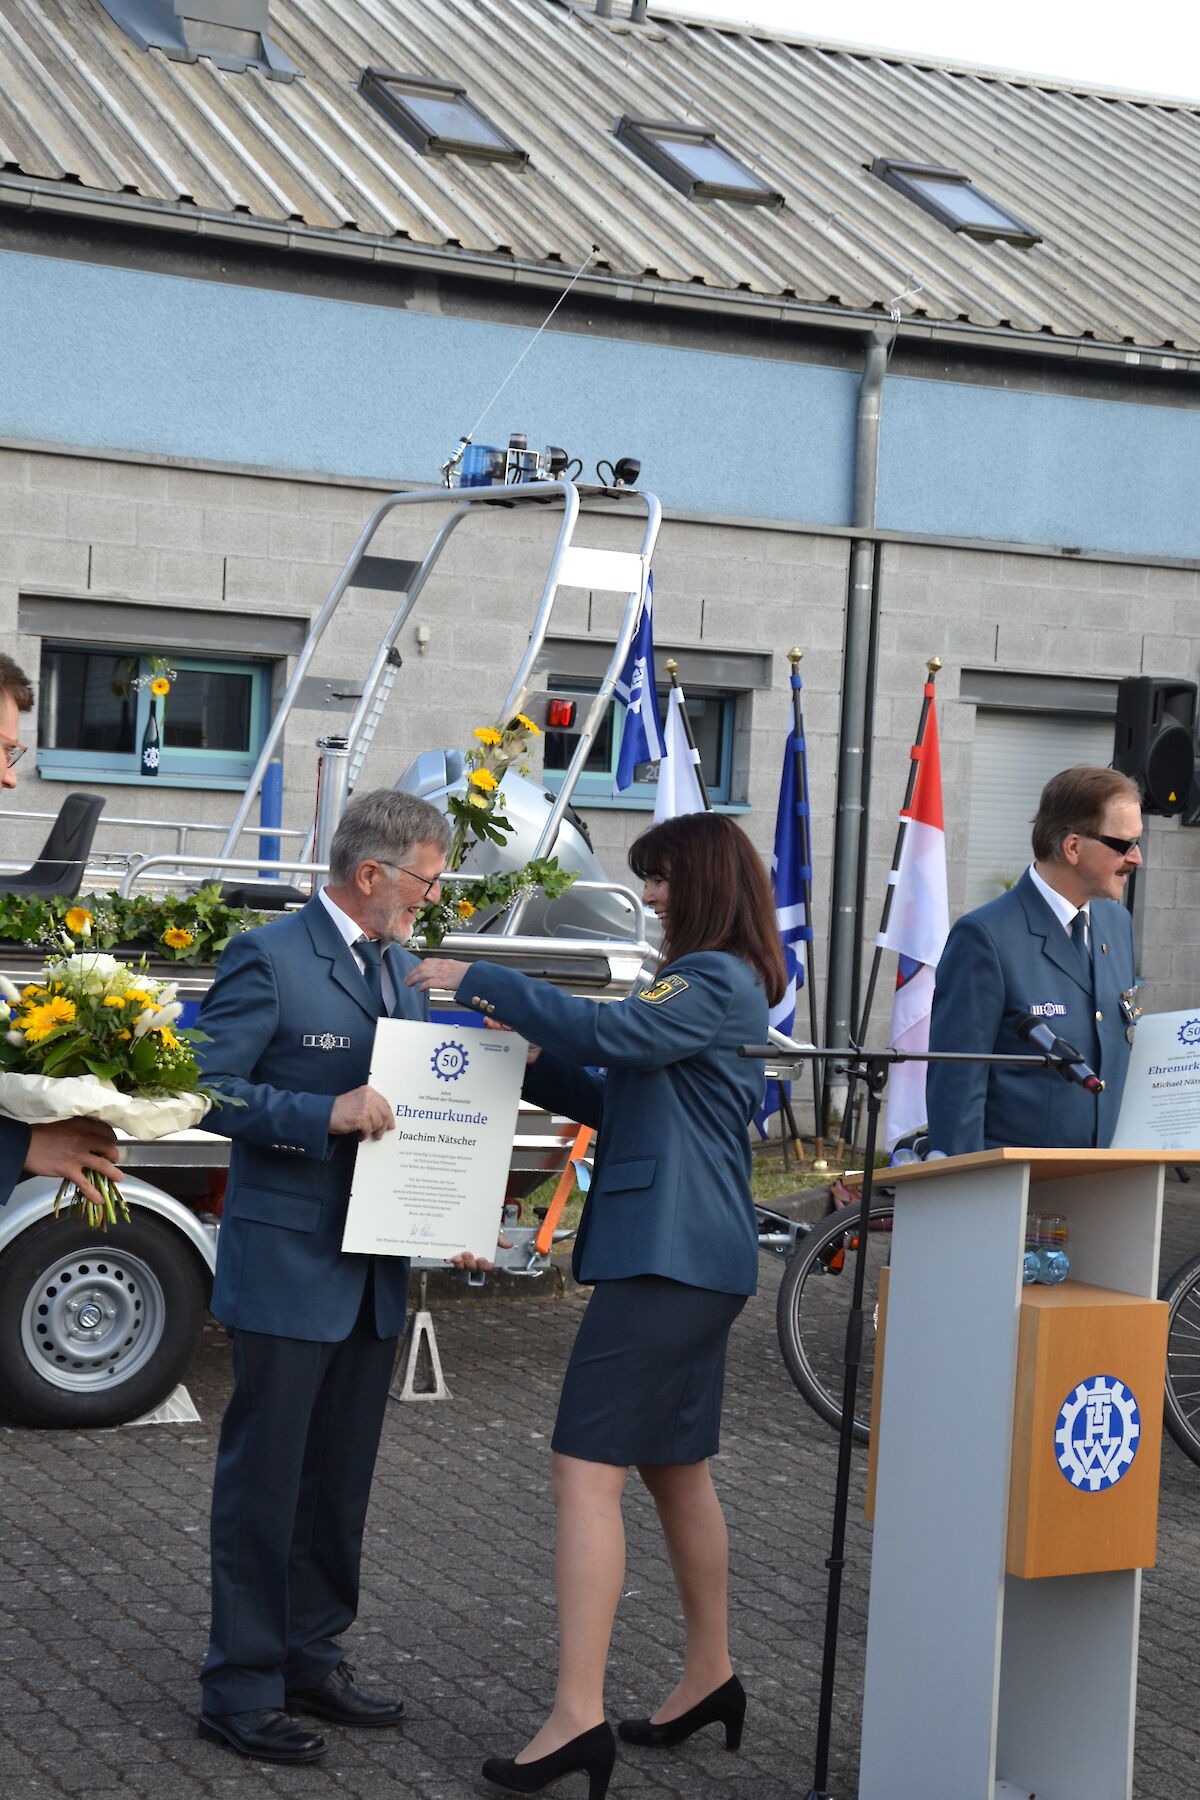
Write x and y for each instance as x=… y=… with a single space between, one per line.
x=670 y=1190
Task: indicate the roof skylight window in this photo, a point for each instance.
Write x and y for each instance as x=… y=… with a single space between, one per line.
x=953 y=198
x=691 y=159
x=436 y=117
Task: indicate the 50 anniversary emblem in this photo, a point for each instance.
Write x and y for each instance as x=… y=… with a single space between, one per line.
x=449 y=1061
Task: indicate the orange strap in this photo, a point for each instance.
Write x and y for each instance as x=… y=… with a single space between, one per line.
x=566 y=1182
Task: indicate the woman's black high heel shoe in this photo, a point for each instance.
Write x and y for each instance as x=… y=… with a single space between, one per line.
x=725 y=1706
x=593 y=1751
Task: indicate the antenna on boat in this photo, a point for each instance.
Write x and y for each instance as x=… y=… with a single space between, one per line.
x=456 y=455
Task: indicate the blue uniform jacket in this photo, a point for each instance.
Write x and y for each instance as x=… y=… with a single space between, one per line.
x=292 y=1026
x=670 y=1189
x=1000 y=961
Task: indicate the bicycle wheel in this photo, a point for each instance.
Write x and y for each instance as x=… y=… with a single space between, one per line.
x=1181 y=1408
x=814 y=1304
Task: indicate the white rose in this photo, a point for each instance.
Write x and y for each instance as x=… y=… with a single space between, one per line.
x=93 y=962
x=90 y=968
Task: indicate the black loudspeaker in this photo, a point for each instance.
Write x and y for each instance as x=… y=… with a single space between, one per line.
x=1156 y=739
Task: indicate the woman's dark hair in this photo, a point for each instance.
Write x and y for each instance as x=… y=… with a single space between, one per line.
x=720 y=896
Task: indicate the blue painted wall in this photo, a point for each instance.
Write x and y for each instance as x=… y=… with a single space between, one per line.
x=125 y=360
x=1040 y=469
x=91 y=355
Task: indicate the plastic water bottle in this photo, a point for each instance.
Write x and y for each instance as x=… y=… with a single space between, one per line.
x=1054 y=1265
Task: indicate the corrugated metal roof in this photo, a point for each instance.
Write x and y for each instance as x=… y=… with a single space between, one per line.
x=1110 y=182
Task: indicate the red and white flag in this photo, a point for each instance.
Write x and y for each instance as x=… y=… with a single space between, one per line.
x=917 y=925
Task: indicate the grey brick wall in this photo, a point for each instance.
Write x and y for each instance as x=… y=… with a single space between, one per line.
x=75 y=526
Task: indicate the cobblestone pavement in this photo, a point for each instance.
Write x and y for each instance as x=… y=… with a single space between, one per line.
x=103 y=1590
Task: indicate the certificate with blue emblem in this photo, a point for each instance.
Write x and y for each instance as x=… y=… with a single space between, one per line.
x=1160 y=1106
x=435 y=1185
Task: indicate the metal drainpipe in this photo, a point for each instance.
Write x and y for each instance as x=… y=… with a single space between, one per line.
x=850 y=816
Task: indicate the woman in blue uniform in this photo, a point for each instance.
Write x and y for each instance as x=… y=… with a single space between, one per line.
x=669 y=1238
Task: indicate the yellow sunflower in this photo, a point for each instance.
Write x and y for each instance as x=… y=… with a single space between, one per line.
x=168 y=1037
x=177 y=938
x=527 y=724
x=487 y=734
x=79 y=921
x=114 y=999
x=465 y=910
x=483 y=778
x=136 y=997
x=160 y=686
x=39 y=1021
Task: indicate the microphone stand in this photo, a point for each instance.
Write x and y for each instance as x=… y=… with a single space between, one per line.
x=869 y=1070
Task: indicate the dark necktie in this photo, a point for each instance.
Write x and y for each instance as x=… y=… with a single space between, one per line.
x=1079 y=936
x=371 y=951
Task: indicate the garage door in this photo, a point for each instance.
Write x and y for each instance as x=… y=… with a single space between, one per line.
x=1015 y=755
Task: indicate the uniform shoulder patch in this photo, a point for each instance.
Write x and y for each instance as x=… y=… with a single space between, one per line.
x=663 y=990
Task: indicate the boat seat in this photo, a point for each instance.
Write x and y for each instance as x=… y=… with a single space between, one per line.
x=59 y=869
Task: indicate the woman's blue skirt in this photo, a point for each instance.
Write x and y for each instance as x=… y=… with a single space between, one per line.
x=647 y=1373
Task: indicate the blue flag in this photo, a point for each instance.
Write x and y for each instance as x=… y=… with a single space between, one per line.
x=789 y=873
x=641 y=736
x=789 y=876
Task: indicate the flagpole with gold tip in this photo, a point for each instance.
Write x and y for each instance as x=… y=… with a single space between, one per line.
x=933 y=665
x=795 y=657
x=672 y=668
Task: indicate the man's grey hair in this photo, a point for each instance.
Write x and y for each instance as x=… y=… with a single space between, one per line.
x=384 y=826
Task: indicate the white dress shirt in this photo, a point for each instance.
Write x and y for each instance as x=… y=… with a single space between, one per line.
x=1063 y=909
x=351 y=932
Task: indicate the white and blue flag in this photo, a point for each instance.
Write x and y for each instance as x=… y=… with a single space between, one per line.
x=679 y=789
x=790 y=875
x=641 y=735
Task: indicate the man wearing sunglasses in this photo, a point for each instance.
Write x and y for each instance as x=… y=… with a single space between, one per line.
x=71 y=1146
x=1060 y=945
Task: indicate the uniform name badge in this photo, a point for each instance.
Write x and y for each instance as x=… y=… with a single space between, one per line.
x=434 y=1187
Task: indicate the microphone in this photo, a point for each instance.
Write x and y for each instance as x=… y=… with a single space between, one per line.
x=1070 y=1065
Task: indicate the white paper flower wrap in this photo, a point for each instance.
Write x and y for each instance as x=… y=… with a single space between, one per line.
x=47 y=1099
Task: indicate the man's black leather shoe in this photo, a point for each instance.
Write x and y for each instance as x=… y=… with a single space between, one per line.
x=265 y=1733
x=338 y=1698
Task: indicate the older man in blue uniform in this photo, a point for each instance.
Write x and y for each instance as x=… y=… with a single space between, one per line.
x=291 y=1018
x=1058 y=944
x=70 y=1147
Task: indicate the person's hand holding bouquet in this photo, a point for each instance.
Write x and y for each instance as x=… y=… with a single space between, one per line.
x=93 y=1038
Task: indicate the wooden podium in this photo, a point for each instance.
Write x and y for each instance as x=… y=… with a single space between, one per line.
x=1015 y=1481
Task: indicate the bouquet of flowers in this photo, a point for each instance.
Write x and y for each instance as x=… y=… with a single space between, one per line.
x=478 y=814
x=95 y=1038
